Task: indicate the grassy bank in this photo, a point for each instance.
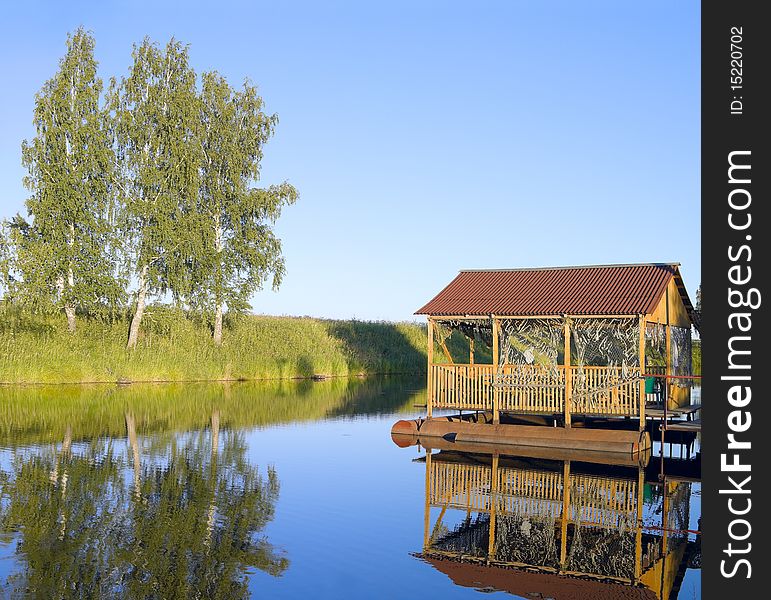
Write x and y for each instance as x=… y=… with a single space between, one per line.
x=173 y=347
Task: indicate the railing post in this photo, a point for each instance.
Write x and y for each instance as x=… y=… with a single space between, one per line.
x=427 y=508
x=668 y=352
x=498 y=368
x=493 y=506
x=639 y=525
x=668 y=370
x=568 y=375
x=430 y=382
x=565 y=515
x=642 y=372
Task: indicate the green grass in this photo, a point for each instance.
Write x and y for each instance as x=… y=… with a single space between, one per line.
x=174 y=347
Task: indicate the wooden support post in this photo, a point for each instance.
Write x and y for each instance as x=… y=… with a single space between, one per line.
x=665 y=518
x=468 y=498
x=668 y=372
x=565 y=515
x=568 y=375
x=668 y=350
x=498 y=369
x=430 y=382
x=471 y=351
x=493 y=506
x=639 y=520
x=642 y=372
x=427 y=515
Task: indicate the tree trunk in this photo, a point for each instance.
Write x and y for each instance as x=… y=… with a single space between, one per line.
x=69 y=307
x=65 y=451
x=69 y=310
x=131 y=430
x=140 y=310
x=218 y=249
x=211 y=513
x=218 y=325
x=66 y=447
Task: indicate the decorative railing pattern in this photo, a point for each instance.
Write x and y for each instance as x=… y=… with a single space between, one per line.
x=536 y=390
x=596 y=501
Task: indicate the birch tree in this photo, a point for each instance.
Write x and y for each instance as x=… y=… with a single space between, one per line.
x=239 y=251
x=5 y=257
x=65 y=254
x=155 y=110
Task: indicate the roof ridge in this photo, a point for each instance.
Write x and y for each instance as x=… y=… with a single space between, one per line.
x=572 y=267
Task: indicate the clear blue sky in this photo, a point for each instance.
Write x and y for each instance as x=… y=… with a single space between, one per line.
x=427 y=137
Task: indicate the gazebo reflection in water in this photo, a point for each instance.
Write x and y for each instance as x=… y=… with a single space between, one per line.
x=553 y=525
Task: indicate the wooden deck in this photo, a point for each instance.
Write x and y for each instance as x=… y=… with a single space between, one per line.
x=694 y=425
x=657 y=411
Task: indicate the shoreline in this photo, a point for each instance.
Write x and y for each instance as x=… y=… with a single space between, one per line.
x=315 y=378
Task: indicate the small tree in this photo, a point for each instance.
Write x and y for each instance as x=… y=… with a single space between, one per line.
x=155 y=110
x=239 y=250
x=698 y=299
x=5 y=257
x=65 y=254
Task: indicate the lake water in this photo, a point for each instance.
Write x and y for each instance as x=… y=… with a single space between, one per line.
x=296 y=490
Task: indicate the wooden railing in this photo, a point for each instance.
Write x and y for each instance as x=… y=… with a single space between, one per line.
x=559 y=500
x=530 y=389
x=605 y=391
x=463 y=387
x=535 y=390
x=599 y=501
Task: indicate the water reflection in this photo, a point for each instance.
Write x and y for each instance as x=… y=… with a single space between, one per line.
x=34 y=414
x=148 y=491
x=545 y=525
x=104 y=518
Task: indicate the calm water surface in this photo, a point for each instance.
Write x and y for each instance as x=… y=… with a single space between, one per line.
x=296 y=490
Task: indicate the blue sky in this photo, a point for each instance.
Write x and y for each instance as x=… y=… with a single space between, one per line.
x=427 y=137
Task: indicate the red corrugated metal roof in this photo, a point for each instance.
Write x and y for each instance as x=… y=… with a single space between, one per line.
x=590 y=290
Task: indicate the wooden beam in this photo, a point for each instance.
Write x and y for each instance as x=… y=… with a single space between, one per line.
x=471 y=351
x=668 y=351
x=459 y=317
x=642 y=370
x=496 y=362
x=493 y=503
x=438 y=524
x=568 y=375
x=565 y=514
x=427 y=508
x=430 y=382
x=444 y=348
x=639 y=524
x=665 y=517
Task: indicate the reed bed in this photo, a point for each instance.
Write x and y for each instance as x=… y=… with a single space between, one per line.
x=175 y=346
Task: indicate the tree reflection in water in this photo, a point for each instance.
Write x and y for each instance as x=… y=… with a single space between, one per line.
x=108 y=519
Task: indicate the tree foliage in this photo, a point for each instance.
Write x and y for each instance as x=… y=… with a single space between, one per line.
x=156 y=185
x=155 y=111
x=698 y=299
x=182 y=519
x=66 y=253
x=238 y=250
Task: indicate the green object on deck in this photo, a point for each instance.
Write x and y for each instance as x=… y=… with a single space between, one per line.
x=650 y=385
